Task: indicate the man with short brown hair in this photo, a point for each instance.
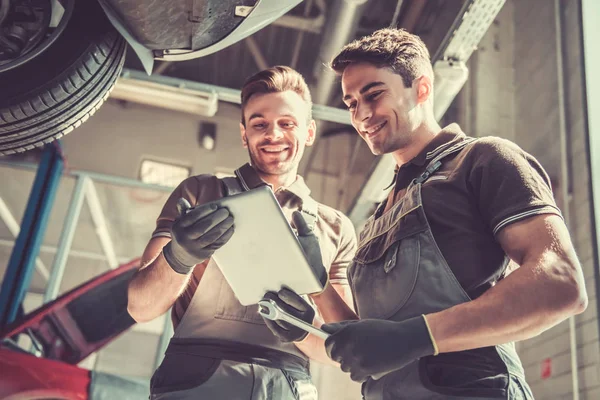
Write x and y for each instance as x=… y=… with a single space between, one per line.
x=221 y=349
x=438 y=308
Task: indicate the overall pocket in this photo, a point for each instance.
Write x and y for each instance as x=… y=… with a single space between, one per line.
x=475 y=375
x=383 y=287
x=182 y=371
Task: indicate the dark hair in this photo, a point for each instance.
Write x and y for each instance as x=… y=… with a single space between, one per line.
x=275 y=80
x=402 y=52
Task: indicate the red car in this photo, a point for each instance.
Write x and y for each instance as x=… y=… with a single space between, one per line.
x=64 y=332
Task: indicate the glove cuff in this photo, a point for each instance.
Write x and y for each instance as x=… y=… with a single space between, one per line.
x=436 y=351
x=302 y=340
x=174 y=263
x=324 y=288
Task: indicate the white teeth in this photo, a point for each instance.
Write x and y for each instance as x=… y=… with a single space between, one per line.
x=275 y=149
x=375 y=129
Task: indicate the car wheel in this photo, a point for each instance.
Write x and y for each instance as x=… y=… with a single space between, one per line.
x=54 y=92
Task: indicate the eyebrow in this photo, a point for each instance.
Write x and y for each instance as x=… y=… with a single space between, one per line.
x=255 y=115
x=365 y=88
x=259 y=115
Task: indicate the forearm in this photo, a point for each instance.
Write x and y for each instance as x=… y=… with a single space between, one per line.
x=335 y=304
x=144 y=302
x=527 y=302
x=314 y=347
x=332 y=306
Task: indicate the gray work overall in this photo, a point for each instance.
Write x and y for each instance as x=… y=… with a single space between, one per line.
x=223 y=350
x=399 y=273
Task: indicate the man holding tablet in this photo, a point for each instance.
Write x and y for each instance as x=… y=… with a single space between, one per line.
x=221 y=349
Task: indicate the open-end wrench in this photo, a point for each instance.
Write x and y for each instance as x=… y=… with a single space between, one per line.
x=270 y=310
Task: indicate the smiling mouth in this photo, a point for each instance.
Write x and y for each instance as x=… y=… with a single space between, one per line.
x=374 y=130
x=274 y=149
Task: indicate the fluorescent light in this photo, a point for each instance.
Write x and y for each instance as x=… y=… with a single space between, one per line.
x=165 y=96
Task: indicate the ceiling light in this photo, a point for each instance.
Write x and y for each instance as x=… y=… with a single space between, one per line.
x=164 y=96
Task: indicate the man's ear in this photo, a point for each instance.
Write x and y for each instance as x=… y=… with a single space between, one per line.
x=424 y=89
x=243 y=135
x=312 y=132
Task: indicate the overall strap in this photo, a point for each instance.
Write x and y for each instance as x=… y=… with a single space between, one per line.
x=245 y=179
x=436 y=163
x=309 y=211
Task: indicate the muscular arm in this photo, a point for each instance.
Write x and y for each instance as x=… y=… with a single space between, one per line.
x=547 y=288
x=154 y=276
x=334 y=304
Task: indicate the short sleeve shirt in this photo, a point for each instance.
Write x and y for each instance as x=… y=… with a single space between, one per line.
x=490 y=184
x=334 y=230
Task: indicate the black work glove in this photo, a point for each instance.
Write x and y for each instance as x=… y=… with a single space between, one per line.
x=196 y=234
x=373 y=347
x=295 y=305
x=310 y=244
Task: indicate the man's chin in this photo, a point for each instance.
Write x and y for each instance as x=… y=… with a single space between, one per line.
x=275 y=168
x=376 y=150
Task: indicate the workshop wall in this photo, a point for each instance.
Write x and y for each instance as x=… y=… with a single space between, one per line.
x=121 y=134
x=531 y=119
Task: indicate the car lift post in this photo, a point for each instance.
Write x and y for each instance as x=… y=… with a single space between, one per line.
x=33 y=227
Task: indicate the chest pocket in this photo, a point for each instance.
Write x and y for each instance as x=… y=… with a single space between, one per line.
x=383 y=280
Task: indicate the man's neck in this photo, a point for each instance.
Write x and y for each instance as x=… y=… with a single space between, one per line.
x=277 y=181
x=419 y=140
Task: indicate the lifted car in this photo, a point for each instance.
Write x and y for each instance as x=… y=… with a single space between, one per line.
x=59 y=59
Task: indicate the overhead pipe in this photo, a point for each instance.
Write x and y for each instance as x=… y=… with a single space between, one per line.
x=565 y=192
x=341 y=28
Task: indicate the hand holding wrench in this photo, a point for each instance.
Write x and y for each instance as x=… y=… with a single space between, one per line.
x=270 y=310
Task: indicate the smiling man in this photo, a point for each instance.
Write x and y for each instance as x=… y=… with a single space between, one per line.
x=221 y=349
x=468 y=254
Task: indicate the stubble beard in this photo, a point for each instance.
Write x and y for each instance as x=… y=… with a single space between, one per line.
x=281 y=168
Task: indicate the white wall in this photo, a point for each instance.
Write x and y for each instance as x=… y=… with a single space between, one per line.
x=120 y=135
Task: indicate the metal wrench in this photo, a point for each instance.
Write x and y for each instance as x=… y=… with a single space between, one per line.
x=270 y=310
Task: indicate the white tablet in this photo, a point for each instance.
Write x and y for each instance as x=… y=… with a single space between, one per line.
x=263 y=254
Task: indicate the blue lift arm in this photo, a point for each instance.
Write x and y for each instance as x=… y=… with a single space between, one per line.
x=33 y=227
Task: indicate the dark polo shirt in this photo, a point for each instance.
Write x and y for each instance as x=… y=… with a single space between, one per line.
x=490 y=184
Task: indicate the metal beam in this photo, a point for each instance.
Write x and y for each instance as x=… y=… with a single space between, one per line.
x=305 y=23
x=14 y=228
x=96 y=177
x=20 y=266
x=65 y=241
x=87 y=255
x=300 y=38
x=320 y=112
x=257 y=55
x=99 y=219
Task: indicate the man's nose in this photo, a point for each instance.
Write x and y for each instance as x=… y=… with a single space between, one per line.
x=274 y=133
x=361 y=114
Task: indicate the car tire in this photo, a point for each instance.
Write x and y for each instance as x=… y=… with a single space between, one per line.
x=54 y=93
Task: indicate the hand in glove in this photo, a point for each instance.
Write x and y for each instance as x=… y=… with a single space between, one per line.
x=196 y=234
x=310 y=244
x=295 y=305
x=374 y=348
